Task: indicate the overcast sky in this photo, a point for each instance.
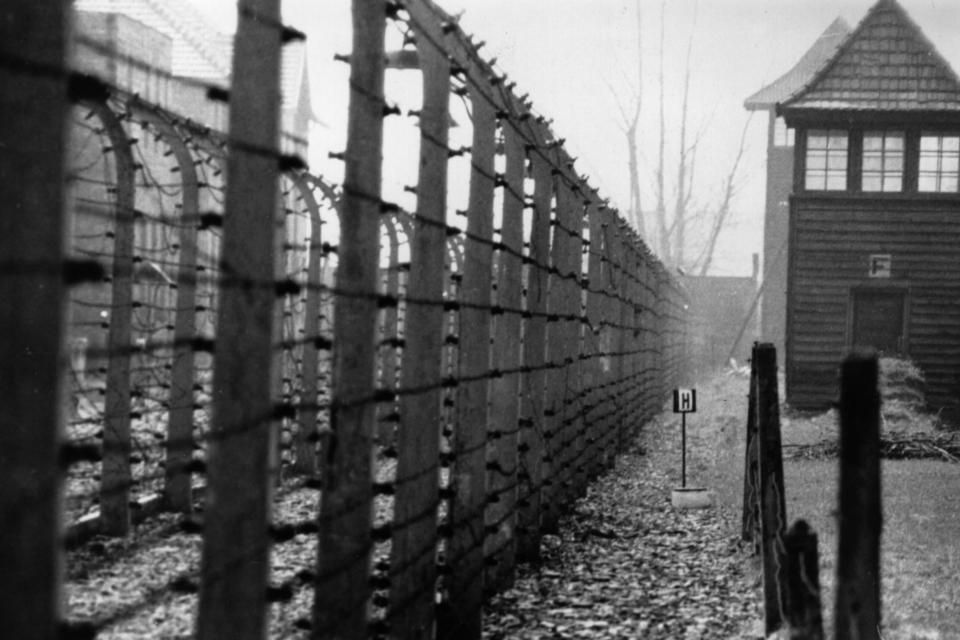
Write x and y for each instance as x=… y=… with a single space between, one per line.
x=568 y=53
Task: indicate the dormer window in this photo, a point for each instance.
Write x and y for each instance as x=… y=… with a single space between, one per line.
x=826 y=161
x=939 y=170
x=882 y=161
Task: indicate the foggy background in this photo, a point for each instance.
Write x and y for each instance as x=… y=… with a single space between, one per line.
x=577 y=58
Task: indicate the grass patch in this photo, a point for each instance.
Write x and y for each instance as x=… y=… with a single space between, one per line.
x=921 y=538
x=920 y=549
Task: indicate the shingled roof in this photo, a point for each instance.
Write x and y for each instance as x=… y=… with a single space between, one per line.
x=885 y=64
x=796 y=78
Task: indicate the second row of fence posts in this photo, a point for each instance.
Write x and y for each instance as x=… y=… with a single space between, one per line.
x=764 y=507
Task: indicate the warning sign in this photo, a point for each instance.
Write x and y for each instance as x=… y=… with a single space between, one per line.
x=880 y=265
x=684 y=400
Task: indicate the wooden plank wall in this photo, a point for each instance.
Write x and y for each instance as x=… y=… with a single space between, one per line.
x=831 y=241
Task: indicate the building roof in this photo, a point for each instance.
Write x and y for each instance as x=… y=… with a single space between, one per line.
x=885 y=64
x=199 y=50
x=796 y=78
x=293 y=78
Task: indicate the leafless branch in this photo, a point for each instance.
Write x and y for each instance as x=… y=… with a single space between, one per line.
x=729 y=191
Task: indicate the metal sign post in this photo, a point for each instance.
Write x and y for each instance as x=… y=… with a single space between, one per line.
x=684 y=402
x=683 y=450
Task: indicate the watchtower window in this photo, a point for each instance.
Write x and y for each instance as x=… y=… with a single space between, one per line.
x=939 y=170
x=826 y=166
x=883 y=161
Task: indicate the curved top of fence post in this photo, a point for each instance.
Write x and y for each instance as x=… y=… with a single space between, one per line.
x=173 y=136
x=302 y=183
x=317 y=182
x=114 y=502
x=177 y=493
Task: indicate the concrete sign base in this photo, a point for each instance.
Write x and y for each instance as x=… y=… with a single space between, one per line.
x=691 y=498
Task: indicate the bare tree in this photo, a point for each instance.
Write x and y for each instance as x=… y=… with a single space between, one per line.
x=722 y=214
x=671 y=230
x=661 y=210
x=686 y=161
x=630 y=122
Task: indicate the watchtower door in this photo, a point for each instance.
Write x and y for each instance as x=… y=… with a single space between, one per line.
x=878 y=320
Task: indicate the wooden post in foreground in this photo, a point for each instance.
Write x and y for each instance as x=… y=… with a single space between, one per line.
x=802 y=583
x=857 y=613
x=236 y=557
x=751 y=464
x=33 y=107
x=773 y=512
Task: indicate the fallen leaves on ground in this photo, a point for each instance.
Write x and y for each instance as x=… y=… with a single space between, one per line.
x=144 y=586
x=626 y=564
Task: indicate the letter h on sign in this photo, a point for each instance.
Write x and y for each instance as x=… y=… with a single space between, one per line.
x=684 y=400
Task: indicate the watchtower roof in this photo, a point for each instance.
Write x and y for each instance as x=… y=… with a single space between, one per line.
x=885 y=64
x=797 y=77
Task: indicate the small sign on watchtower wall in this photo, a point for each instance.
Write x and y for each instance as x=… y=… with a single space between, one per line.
x=881 y=265
x=684 y=400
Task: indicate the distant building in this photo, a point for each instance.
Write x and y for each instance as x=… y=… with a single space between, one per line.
x=167 y=72
x=723 y=320
x=780 y=148
x=163 y=54
x=874 y=218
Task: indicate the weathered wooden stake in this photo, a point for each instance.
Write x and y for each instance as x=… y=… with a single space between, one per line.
x=773 y=512
x=33 y=110
x=235 y=561
x=751 y=464
x=857 y=613
x=802 y=583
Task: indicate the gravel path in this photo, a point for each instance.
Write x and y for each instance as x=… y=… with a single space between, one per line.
x=628 y=565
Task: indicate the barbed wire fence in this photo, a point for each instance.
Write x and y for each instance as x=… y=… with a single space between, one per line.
x=446 y=382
